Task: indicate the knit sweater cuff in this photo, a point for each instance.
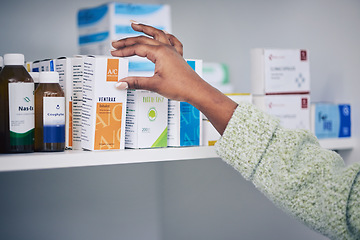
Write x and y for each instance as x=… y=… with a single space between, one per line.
x=246 y=138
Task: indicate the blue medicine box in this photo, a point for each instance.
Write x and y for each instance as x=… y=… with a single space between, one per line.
x=331 y=120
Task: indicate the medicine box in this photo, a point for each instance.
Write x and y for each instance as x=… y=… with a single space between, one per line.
x=36 y=66
x=47 y=65
x=277 y=71
x=104 y=106
x=331 y=120
x=99 y=26
x=146 y=120
x=63 y=67
x=293 y=111
x=184 y=120
x=77 y=69
x=210 y=134
x=217 y=75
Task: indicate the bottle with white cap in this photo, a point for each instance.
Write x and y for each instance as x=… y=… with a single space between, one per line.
x=1 y=63
x=49 y=114
x=16 y=106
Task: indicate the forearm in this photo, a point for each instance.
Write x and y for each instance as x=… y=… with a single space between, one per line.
x=216 y=106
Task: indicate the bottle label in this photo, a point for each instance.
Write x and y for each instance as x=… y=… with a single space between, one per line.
x=54 y=119
x=21 y=113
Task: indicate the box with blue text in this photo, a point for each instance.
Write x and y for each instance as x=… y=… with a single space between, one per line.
x=331 y=120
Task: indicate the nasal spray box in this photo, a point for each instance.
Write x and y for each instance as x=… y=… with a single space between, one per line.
x=293 y=111
x=146 y=120
x=63 y=67
x=330 y=120
x=210 y=134
x=184 y=120
x=99 y=26
x=77 y=69
x=277 y=71
x=104 y=107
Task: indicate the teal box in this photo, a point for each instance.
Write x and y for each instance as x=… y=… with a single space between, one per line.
x=331 y=120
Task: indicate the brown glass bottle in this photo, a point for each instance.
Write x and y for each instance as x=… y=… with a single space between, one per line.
x=16 y=106
x=49 y=114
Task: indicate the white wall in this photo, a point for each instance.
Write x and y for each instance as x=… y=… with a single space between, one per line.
x=184 y=200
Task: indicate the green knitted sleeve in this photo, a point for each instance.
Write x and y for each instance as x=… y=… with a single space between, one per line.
x=292 y=170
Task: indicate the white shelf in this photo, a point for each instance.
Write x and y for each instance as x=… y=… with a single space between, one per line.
x=338 y=143
x=79 y=158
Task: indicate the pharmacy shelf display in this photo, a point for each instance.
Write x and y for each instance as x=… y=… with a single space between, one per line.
x=79 y=158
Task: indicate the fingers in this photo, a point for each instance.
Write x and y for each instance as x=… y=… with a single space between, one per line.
x=176 y=43
x=157 y=34
x=134 y=40
x=134 y=83
x=141 y=50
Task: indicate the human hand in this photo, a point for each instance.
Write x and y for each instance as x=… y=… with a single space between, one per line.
x=173 y=77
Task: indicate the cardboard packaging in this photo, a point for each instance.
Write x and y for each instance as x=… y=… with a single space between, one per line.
x=36 y=66
x=104 y=106
x=146 y=120
x=217 y=75
x=99 y=26
x=184 y=120
x=293 y=111
x=278 y=71
x=47 y=65
x=77 y=69
x=331 y=120
x=210 y=134
x=63 y=67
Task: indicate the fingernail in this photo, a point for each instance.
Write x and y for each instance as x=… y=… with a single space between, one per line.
x=165 y=32
x=134 y=22
x=121 y=85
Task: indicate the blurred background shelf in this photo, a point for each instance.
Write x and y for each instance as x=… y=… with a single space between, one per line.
x=338 y=143
x=79 y=158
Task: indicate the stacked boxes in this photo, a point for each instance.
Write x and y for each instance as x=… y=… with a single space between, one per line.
x=280 y=83
x=331 y=120
x=146 y=120
x=104 y=107
x=185 y=121
x=99 y=26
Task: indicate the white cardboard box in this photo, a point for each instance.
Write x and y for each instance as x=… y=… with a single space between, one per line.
x=185 y=121
x=277 y=71
x=293 y=111
x=146 y=120
x=99 y=26
x=104 y=106
x=63 y=67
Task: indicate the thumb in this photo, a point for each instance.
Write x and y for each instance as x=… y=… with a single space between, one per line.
x=134 y=83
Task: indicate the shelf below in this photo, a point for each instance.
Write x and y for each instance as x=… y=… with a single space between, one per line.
x=79 y=158
x=338 y=143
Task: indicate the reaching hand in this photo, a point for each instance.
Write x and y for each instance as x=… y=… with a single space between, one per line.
x=173 y=78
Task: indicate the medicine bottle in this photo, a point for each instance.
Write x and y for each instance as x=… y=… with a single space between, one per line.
x=35 y=77
x=1 y=63
x=49 y=114
x=16 y=106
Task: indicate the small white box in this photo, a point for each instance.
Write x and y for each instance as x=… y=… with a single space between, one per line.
x=35 y=66
x=217 y=75
x=146 y=120
x=293 y=111
x=77 y=68
x=47 y=65
x=63 y=67
x=277 y=71
x=210 y=134
x=185 y=121
x=104 y=106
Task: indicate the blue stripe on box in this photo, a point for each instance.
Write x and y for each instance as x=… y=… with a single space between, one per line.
x=54 y=134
